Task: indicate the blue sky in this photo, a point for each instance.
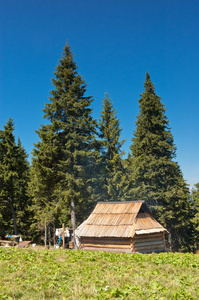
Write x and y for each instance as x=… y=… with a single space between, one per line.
x=114 y=43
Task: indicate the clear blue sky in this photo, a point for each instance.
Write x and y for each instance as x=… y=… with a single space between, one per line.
x=114 y=43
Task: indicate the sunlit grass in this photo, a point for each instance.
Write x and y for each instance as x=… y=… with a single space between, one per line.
x=64 y=274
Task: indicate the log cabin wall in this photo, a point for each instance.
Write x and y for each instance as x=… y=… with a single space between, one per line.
x=121 y=245
x=147 y=243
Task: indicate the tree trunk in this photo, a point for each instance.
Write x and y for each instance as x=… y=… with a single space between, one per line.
x=49 y=236
x=14 y=219
x=170 y=242
x=45 y=236
x=73 y=220
x=54 y=229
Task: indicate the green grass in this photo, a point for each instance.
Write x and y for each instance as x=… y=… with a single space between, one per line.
x=64 y=274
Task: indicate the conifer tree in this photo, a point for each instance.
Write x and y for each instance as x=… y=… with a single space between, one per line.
x=45 y=180
x=114 y=179
x=195 y=202
x=14 y=178
x=64 y=156
x=157 y=178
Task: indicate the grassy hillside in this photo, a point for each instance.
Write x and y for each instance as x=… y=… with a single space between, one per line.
x=57 y=274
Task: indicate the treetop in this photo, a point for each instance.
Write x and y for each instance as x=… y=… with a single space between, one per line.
x=149 y=87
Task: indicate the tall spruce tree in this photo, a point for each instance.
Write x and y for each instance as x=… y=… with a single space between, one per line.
x=114 y=181
x=157 y=177
x=14 y=178
x=63 y=158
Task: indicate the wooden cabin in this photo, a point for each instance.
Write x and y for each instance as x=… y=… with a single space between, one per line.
x=121 y=227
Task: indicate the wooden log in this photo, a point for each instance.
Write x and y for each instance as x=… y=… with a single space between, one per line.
x=150 y=247
x=144 y=243
x=147 y=240
x=5 y=242
x=149 y=244
x=143 y=250
x=109 y=241
x=108 y=250
x=132 y=244
x=108 y=246
x=154 y=238
x=71 y=245
x=149 y=251
x=148 y=236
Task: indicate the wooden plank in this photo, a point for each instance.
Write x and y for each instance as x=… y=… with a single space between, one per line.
x=107 y=246
x=108 y=250
x=148 y=236
x=95 y=240
x=149 y=244
x=71 y=245
x=151 y=238
x=144 y=243
x=147 y=240
x=106 y=238
x=5 y=241
x=150 y=251
x=142 y=250
x=10 y=243
x=149 y=247
x=132 y=244
x=23 y=244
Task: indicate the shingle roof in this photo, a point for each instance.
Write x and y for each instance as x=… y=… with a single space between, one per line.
x=119 y=219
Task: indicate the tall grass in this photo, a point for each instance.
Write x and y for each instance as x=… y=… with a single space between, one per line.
x=65 y=274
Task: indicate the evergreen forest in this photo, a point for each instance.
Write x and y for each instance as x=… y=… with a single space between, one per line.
x=79 y=161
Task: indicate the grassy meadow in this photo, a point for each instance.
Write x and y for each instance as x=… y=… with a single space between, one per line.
x=65 y=274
